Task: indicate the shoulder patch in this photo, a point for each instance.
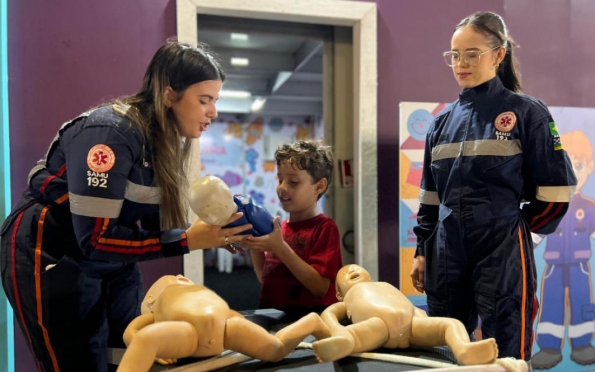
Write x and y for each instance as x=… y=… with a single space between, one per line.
x=556 y=135
x=101 y=158
x=505 y=121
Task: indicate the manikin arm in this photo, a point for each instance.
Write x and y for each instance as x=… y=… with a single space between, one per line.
x=333 y=315
x=249 y=338
x=168 y=340
x=367 y=335
x=136 y=325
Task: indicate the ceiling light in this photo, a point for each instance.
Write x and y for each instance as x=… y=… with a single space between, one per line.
x=235 y=94
x=239 y=36
x=239 y=61
x=258 y=104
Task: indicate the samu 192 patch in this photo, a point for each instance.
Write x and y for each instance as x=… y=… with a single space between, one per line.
x=556 y=135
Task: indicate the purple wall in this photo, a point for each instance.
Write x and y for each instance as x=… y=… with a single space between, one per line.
x=68 y=55
x=556 y=62
x=65 y=56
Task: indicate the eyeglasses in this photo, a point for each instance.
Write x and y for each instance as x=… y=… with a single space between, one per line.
x=470 y=58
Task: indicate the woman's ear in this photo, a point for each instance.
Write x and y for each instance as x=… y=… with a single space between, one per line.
x=500 y=55
x=169 y=96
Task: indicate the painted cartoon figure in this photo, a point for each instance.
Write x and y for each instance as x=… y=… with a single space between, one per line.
x=566 y=289
x=251 y=157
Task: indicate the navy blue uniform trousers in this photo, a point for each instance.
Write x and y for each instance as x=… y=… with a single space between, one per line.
x=70 y=312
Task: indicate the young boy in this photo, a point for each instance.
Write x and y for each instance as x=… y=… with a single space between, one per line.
x=298 y=262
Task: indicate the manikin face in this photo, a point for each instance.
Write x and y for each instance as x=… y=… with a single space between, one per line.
x=466 y=39
x=195 y=107
x=348 y=276
x=298 y=192
x=211 y=199
x=158 y=287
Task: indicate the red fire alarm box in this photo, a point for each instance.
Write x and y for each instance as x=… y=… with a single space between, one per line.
x=346 y=173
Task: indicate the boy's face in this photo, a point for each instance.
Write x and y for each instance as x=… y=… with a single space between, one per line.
x=296 y=189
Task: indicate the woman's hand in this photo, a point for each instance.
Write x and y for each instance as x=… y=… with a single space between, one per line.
x=201 y=235
x=417 y=273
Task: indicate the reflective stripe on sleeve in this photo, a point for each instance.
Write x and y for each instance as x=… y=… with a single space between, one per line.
x=142 y=194
x=90 y=206
x=556 y=194
x=429 y=197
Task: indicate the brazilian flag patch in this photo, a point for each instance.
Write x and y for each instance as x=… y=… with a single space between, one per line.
x=556 y=135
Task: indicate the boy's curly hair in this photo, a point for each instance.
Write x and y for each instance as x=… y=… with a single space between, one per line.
x=313 y=157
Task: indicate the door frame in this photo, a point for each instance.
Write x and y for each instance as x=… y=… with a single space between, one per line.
x=361 y=17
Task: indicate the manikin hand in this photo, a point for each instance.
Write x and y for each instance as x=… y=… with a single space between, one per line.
x=417 y=273
x=272 y=242
x=202 y=235
x=166 y=362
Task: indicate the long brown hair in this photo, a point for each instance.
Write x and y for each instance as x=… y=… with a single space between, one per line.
x=178 y=66
x=492 y=26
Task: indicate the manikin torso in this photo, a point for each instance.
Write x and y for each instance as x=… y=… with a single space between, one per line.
x=199 y=306
x=381 y=300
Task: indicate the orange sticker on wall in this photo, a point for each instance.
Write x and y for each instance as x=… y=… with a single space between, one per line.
x=101 y=158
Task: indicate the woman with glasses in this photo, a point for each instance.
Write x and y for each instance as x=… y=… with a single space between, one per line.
x=494 y=171
x=108 y=194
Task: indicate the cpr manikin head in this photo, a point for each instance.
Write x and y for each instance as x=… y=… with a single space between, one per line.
x=348 y=276
x=158 y=287
x=211 y=200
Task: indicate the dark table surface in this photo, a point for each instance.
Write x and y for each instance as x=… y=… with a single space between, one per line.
x=304 y=359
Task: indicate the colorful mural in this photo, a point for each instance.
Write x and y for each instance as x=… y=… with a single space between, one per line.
x=416 y=119
x=240 y=150
x=565 y=324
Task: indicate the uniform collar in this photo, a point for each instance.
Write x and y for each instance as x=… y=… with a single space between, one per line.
x=487 y=89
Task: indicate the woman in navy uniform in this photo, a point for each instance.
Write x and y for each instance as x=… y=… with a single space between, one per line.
x=486 y=153
x=109 y=193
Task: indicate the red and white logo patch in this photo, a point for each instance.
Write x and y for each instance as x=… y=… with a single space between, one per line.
x=580 y=214
x=101 y=158
x=505 y=121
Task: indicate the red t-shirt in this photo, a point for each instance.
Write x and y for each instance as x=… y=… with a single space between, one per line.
x=316 y=241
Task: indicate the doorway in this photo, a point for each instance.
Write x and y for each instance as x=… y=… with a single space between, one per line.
x=360 y=19
x=273 y=94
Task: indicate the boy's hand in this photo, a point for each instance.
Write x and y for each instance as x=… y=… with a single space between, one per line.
x=272 y=242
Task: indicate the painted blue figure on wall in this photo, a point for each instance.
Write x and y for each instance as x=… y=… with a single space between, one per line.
x=567 y=309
